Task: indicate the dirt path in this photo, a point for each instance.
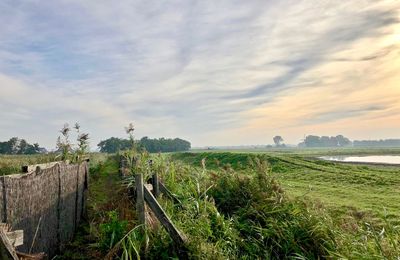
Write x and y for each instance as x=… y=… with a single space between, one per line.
x=106 y=194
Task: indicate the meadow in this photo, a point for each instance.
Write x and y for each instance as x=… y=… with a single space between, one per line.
x=371 y=189
x=11 y=164
x=270 y=204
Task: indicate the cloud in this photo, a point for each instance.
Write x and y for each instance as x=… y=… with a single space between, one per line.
x=339 y=114
x=193 y=68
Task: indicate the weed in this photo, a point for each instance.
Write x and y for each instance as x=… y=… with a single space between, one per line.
x=112 y=231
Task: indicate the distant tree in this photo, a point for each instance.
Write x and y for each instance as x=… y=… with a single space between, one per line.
x=377 y=143
x=22 y=146
x=325 y=141
x=343 y=141
x=19 y=146
x=113 y=145
x=312 y=141
x=164 y=145
x=278 y=140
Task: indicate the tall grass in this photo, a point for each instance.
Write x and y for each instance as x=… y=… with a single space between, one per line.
x=228 y=215
x=10 y=164
x=270 y=224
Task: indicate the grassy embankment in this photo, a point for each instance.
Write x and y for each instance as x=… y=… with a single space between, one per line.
x=364 y=189
x=358 y=203
x=234 y=208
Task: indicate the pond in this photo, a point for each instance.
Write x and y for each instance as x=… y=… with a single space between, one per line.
x=387 y=159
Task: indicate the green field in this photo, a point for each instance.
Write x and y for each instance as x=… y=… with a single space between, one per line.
x=366 y=189
x=268 y=204
x=10 y=164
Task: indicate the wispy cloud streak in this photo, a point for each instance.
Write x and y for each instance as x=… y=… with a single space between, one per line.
x=197 y=68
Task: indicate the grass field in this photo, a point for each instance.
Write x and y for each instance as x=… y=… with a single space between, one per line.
x=10 y=164
x=311 y=151
x=361 y=189
x=269 y=204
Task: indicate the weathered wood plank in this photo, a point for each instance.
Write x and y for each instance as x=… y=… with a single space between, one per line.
x=38 y=256
x=140 y=198
x=156 y=187
x=16 y=237
x=7 y=251
x=178 y=238
x=149 y=186
x=33 y=167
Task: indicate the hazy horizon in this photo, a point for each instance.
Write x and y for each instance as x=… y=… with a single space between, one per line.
x=220 y=73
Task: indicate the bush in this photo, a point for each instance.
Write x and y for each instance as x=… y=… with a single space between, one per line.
x=270 y=225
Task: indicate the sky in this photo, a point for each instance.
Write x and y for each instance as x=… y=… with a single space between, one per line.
x=211 y=72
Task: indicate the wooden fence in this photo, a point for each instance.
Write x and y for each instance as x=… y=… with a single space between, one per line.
x=47 y=204
x=147 y=194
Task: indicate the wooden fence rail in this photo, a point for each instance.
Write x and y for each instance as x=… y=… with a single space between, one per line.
x=153 y=204
x=147 y=193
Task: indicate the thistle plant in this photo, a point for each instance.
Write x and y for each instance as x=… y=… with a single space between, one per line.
x=66 y=148
x=130 y=154
x=63 y=143
x=137 y=159
x=82 y=143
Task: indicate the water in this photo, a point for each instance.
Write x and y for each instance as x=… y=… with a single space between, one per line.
x=389 y=159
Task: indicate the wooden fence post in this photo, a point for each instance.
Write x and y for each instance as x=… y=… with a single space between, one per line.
x=156 y=185
x=140 y=199
x=154 y=180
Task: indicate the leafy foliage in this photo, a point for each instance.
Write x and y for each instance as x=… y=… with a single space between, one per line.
x=113 y=145
x=20 y=146
x=377 y=143
x=271 y=224
x=112 y=231
x=278 y=140
x=325 y=141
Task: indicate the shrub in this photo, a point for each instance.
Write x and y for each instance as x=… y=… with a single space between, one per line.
x=270 y=224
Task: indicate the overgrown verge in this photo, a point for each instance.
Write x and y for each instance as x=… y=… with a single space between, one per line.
x=226 y=212
x=110 y=213
x=227 y=215
x=273 y=225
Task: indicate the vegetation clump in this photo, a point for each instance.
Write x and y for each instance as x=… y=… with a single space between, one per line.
x=114 y=144
x=226 y=214
x=269 y=223
x=68 y=150
x=112 y=231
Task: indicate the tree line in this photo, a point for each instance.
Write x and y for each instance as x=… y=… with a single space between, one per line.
x=114 y=144
x=341 y=141
x=325 y=141
x=20 y=146
x=377 y=143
